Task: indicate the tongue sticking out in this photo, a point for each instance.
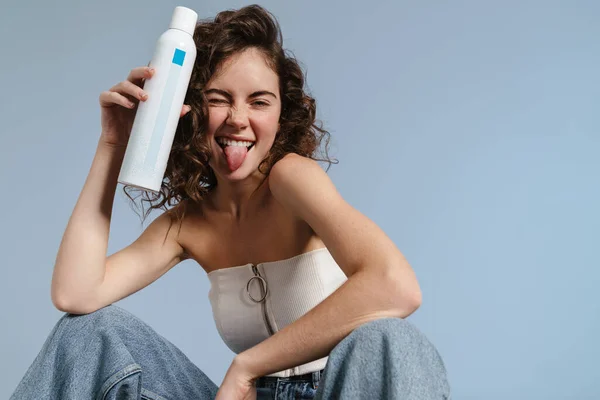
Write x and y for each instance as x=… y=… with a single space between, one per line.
x=235 y=156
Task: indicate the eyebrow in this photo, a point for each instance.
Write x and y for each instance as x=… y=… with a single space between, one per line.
x=230 y=97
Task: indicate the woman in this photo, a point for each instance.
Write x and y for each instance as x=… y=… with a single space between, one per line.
x=308 y=292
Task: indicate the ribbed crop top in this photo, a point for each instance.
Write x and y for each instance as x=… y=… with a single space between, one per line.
x=253 y=301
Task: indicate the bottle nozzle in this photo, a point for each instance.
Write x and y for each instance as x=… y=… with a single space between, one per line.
x=184 y=19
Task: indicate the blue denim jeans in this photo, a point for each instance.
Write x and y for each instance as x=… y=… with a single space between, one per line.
x=111 y=354
x=294 y=387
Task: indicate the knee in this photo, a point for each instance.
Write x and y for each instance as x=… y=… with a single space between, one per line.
x=392 y=349
x=384 y=335
x=105 y=314
x=395 y=329
x=107 y=317
x=395 y=337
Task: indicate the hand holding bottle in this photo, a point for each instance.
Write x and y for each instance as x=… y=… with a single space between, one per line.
x=118 y=106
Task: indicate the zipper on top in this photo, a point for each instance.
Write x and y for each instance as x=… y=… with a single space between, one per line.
x=263 y=294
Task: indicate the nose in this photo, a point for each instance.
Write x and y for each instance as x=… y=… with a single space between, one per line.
x=237 y=118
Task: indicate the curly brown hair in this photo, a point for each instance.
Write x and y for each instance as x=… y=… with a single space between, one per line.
x=188 y=176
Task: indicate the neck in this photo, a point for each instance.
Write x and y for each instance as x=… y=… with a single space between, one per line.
x=239 y=199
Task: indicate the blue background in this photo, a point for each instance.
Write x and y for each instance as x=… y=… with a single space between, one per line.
x=468 y=130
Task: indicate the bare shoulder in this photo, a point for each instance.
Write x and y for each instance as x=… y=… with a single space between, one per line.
x=293 y=162
x=298 y=181
x=294 y=172
x=353 y=240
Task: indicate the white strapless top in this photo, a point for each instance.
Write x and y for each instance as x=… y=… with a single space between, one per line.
x=293 y=287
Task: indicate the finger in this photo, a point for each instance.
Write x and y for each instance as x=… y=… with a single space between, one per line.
x=109 y=97
x=131 y=89
x=184 y=110
x=140 y=73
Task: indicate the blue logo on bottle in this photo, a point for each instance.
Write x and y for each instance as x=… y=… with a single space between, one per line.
x=178 y=57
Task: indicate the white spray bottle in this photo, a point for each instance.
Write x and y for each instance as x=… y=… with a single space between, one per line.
x=156 y=119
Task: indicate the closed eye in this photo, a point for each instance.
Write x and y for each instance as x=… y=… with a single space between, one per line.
x=217 y=101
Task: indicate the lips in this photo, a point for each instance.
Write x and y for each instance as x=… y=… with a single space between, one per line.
x=234 y=138
x=220 y=139
x=222 y=146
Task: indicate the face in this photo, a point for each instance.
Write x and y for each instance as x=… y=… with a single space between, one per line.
x=244 y=104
